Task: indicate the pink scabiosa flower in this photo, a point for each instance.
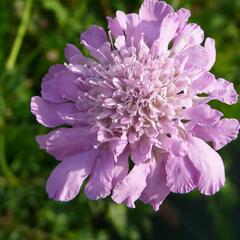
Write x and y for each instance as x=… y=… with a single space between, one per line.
x=140 y=100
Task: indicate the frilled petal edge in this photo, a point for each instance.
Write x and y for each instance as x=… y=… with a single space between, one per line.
x=66 y=179
x=209 y=165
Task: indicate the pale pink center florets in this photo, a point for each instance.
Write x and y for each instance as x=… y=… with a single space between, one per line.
x=134 y=94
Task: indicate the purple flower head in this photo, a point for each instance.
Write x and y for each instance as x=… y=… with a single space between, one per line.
x=142 y=97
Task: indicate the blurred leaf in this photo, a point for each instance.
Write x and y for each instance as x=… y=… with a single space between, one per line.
x=118 y=216
x=59 y=10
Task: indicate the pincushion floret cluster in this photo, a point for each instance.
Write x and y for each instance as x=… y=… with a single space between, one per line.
x=140 y=100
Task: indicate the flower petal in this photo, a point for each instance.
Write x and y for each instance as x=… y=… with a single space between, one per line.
x=95 y=40
x=220 y=134
x=151 y=15
x=211 y=50
x=74 y=55
x=133 y=30
x=184 y=15
x=66 y=179
x=209 y=164
x=121 y=167
x=114 y=27
x=122 y=19
x=118 y=146
x=202 y=114
x=197 y=57
x=168 y=31
x=175 y=146
x=100 y=182
x=53 y=70
x=132 y=186
x=190 y=35
x=60 y=88
x=48 y=113
x=223 y=91
x=65 y=142
x=118 y=24
x=157 y=189
x=95 y=37
x=141 y=151
x=153 y=10
x=202 y=83
x=182 y=176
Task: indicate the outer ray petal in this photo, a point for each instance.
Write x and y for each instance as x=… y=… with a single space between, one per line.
x=209 y=164
x=182 y=176
x=54 y=70
x=157 y=189
x=95 y=40
x=190 y=35
x=202 y=114
x=60 y=88
x=132 y=186
x=184 y=15
x=220 y=134
x=48 y=113
x=141 y=151
x=74 y=55
x=211 y=50
x=223 y=91
x=66 y=179
x=153 y=10
x=100 y=182
x=121 y=167
x=65 y=142
x=197 y=57
x=168 y=31
x=151 y=16
x=202 y=83
x=95 y=37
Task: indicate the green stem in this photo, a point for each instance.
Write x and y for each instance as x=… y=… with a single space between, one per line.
x=19 y=37
x=3 y=163
x=7 y=173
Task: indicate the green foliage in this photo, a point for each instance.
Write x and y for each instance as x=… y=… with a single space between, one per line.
x=25 y=211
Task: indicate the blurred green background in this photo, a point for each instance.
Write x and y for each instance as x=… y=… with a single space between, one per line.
x=25 y=210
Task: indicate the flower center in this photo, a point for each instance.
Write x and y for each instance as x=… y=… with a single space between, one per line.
x=135 y=94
